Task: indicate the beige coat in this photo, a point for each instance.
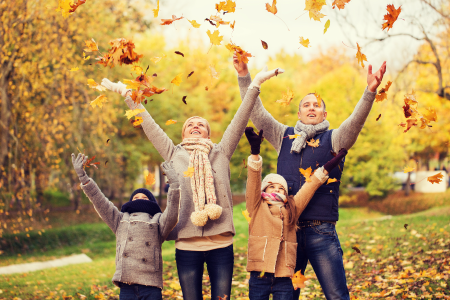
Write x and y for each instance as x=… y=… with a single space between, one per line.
x=272 y=245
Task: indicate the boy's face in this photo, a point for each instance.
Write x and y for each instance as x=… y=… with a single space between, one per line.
x=309 y=111
x=140 y=196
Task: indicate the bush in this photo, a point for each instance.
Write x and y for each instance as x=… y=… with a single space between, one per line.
x=56 y=198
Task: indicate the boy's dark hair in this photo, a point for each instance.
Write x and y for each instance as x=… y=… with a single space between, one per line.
x=323 y=102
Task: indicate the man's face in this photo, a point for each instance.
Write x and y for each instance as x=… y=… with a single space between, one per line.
x=309 y=112
x=196 y=128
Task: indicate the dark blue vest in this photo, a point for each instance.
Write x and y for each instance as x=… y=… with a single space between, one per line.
x=324 y=204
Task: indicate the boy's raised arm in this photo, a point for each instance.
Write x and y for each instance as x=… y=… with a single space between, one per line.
x=169 y=217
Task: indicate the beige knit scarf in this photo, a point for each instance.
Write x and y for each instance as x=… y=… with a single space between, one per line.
x=202 y=181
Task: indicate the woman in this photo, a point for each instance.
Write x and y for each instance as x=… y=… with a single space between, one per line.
x=205 y=229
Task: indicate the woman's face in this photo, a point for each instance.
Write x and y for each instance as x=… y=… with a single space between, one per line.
x=140 y=196
x=196 y=128
x=275 y=188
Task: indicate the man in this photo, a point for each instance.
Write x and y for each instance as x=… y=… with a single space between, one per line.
x=317 y=239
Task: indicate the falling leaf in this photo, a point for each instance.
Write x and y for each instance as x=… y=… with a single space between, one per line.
x=361 y=57
x=74 y=69
x=170 y=21
x=150 y=179
x=75 y=5
x=228 y=6
x=303 y=42
x=298 y=280
x=194 y=23
x=156 y=11
x=179 y=53
x=210 y=22
x=190 y=74
x=331 y=180
x=91 y=45
x=430 y=114
x=99 y=101
x=218 y=20
x=106 y=163
x=132 y=84
x=170 y=122
x=391 y=16
x=327 y=25
x=137 y=69
x=262 y=273
x=406 y=226
x=382 y=93
x=131 y=113
x=232 y=25
x=306 y=173
x=340 y=3
x=206 y=88
x=314 y=7
x=379 y=116
x=242 y=55
x=408 y=169
x=94 y=85
x=121 y=52
x=286 y=98
x=177 y=80
x=294 y=136
x=189 y=172
x=157 y=59
x=137 y=121
x=272 y=8
x=264 y=44
x=184 y=100
x=319 y=99
x=214 y=37
x=213 y=72
x=107 y=141
x=313 y=143
x=435 y=178
x=84 y=56
x=90 y=163
x=67 y=7
x=246 y=216
x=356 y=249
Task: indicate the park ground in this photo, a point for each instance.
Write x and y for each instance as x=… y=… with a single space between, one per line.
x=401 y=255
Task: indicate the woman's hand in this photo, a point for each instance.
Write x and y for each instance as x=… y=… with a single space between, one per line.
x=118 y=87
x=171 y=174
x=240 y=66
x=254 y=140
x=264 y=75
x=78 y=163
x=374 y=80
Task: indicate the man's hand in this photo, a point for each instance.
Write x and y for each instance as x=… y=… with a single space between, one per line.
x=374 y=80
x=240 y=67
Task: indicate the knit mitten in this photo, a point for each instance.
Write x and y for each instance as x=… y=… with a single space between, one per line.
x=254 y=140
x=78 y=163
x=335 y=161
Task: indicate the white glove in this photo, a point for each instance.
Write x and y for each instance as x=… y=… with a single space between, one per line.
x=264 y=75
x=118 y=87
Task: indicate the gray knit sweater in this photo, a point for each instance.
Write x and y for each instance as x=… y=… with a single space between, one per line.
x=138 y=237
x=219 y=157
x=343 y=137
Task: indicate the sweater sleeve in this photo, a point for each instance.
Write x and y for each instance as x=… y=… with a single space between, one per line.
x=307 y=191
x=105 y=208
x=169 y=217
x=235 y=130
x=345 y=136
x=154 y=133
x=273 y=130
x=253 y=188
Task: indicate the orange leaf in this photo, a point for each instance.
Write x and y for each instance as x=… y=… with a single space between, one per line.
x=170 y=122
x=189 y=172
x=286 y=98
x=228 y=6
x=298 y=280
x=91 y=45
x=150 y=179
x=232 y=24
x=340 y=3
x=361 y=57
x=75 y=5
x=313 y=143
x=382 y=93
x=170 y=21
x=319 y=99
x=121 y=52
x=272 y=8
x=391 y=16
x=435 y=178
x=240 y=53
x=306 y=173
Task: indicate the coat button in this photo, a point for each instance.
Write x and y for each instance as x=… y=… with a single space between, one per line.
x=150 y=226
x=130 y=239
x=124 y=255
x=147 y=244
x=144 y=260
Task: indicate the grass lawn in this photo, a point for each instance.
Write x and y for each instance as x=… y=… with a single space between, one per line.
x=395 y=262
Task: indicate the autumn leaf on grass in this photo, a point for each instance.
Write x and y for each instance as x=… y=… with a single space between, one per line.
x=121 y=52
x=156 y=10
x=170 y=122
x=177 y=80
x=214 y=37
x=361 y=57
x=298 y=280
x=286 y=98
x=194 y=23
x=313 y=143
x=94 y=85
x=303 y=42
x=99 y=101
x=382 y=93
x=90 y=163
x=228 y=6
x=340 y=3
x=150 y=178
x=157 y=59
x=189 y=172
x=356 y=249
x=246 y=216
x=272 y=8
x=435 y=178
x=131 y=113
x=314 y=7
x=137 y=121
x=170 y=21
x=306 y=173
x=240 y=53
x=91 y=45
x=331 y=180
x=327 y=25
x=391 y=16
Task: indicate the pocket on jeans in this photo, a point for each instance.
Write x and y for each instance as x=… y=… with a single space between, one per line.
x=257 y=248
x=291 y=254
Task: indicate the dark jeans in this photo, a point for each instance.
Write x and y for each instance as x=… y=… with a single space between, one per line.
x=321 y=247
x=260 y=288
x=139 y=292
x=219 y=263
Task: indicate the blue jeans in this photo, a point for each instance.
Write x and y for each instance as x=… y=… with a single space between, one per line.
x=139 y=292
x=260 y=288
x=219 y=263
x=321 y=247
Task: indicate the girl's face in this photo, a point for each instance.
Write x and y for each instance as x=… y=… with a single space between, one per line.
x=275 y=188
x=140 y=196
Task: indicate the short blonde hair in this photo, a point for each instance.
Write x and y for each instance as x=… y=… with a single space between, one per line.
x=195 y=117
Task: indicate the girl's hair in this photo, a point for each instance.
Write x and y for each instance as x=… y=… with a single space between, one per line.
x=292 y=211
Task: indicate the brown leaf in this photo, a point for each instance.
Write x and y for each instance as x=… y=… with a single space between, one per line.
x=356 y=249
x=264 y=44
x=379 y=116
x=179 y=53
x=184 y=100
x=190 y=74
x=170 y=21
x=391 y=16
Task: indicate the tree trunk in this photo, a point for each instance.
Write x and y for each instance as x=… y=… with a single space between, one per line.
x=408 y=184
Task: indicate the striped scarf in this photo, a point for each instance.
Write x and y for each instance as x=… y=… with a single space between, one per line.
x=274 y=198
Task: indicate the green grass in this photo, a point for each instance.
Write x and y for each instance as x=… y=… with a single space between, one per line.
x=394 y=262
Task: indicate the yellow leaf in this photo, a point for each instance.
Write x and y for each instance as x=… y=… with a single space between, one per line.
x=408 y=169
x=189 y=172
x=430 y=114
x=306 y=173
x=170 y=122
x=361 y=57
x=303 y=42
x=327 y=25
x=131 y=84
x=247 y=216
x=91 y=45
x=298 y=280
x=286 y=98
x=177 y=80
x=313 y=143
x=228 y=6
x=194 y=23
x=99 y=101
x=272 y=8
x=435 y=178
x=131 y=113
x=294 y=136
x=137 y=69
x=156 y=11
x=314 y=7
x=137 y=121
x=150 y=179
x=214 y=37
x=94 y=85
x=319 y=99
x=74 y=69
x=331 y=180
x=157 y=59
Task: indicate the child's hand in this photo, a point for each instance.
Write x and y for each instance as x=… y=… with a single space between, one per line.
x=78 y=163
x=171 y=174
x=254 y=140
x=335 y=161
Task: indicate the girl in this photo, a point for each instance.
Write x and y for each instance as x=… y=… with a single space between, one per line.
x=272 y=243
x=205 y=230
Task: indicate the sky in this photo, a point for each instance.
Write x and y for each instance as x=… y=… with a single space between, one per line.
x=283 y=30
